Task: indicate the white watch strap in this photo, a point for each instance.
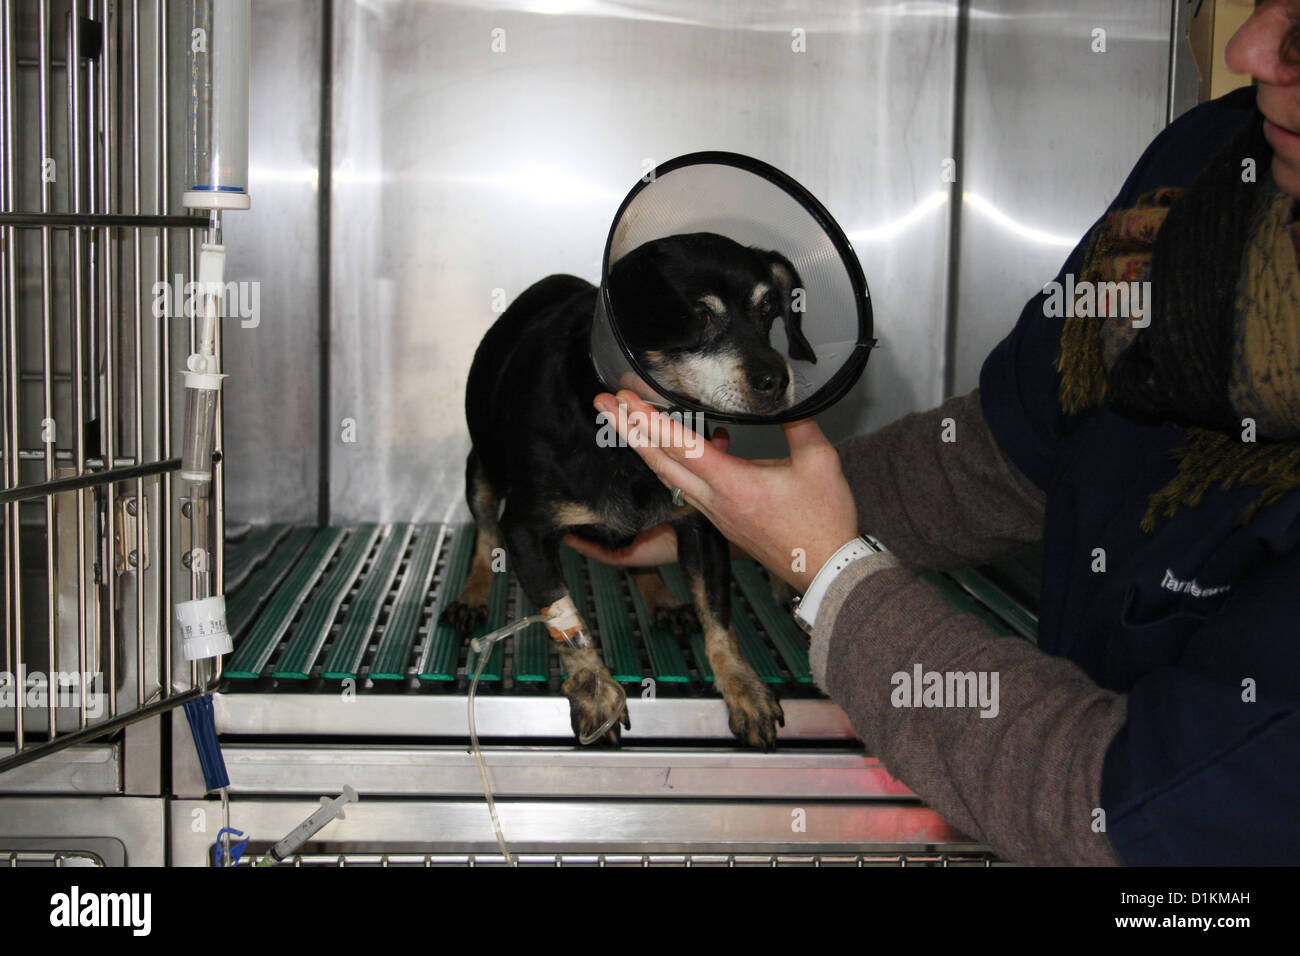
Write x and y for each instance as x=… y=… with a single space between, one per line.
x=806 y=611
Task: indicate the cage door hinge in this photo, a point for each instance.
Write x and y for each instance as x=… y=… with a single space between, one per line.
x=131 y=521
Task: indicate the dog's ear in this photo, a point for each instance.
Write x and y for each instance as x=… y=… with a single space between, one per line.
x=787 y=279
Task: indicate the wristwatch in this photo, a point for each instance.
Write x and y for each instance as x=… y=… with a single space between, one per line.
x=805 y=610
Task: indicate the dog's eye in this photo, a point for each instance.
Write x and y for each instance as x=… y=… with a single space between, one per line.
x=767 y=305
x=703 y=313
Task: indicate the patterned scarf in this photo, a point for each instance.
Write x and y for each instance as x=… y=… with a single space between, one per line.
x=1218 y=348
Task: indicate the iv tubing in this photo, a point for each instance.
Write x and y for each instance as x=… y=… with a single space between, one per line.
x=482 y=646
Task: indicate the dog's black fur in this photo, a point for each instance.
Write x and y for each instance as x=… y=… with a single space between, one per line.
x=692 y=308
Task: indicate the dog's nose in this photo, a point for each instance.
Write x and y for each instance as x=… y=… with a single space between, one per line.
x=769 y=383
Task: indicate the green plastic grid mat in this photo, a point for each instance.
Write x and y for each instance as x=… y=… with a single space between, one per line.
x=281 y=604
x=349 y=648
x=442 y=649
x=250 y=596
x=315 y=606
x=251 y=550
x=498 y=601
x=532 y=646
x=399 y=633
x=309 y=634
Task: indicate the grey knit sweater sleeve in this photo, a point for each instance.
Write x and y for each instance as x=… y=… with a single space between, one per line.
x=1018 y=767
x=937 y=491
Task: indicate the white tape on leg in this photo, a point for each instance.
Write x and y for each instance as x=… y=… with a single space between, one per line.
x=563 y=619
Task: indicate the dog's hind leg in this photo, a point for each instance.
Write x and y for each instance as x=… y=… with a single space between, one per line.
x=470 y=608
x=665 y=610
x=752 y=709
x=594 y=698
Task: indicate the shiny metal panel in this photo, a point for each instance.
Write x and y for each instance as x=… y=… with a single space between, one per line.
x=142 y=758
x=273 y=717
x=434 y=715
x=119 y=830
x=89 y=768
x=1051 y=131
x=87 y=852
x=462 y=175
x=271 y=400
x=562 y=772
x=792 y=856
x=610 y=826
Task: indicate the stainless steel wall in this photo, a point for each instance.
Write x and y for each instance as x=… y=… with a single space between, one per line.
x=462 y=170
x=1051 y=130
x=479 y=146
x=272 y=401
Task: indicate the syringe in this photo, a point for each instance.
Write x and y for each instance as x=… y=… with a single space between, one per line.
x=304 y=831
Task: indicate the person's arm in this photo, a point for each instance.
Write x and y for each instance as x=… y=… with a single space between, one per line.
x=1027 y=779
x=1197 y=764
x=937 y=491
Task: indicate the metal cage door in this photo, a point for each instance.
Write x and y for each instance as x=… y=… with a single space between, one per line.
x=97 y=537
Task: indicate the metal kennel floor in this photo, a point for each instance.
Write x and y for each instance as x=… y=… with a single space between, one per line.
x=341 y=673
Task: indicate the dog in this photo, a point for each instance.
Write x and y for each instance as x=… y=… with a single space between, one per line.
x=697 y=310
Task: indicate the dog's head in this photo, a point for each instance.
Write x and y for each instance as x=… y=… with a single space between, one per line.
x=698 y=311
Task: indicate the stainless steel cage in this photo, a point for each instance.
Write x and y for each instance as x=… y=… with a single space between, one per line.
x=98 y=543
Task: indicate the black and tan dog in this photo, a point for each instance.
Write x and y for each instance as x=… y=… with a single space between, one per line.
x=698 y=311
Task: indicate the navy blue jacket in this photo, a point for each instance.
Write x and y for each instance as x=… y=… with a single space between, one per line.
x=1198 y=622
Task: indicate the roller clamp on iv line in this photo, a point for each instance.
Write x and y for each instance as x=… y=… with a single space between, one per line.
x=805 y=607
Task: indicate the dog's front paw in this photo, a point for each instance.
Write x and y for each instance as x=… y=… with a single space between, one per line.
x=753 y=711
x=464 y=617
x=678 y=618
x=594 y=700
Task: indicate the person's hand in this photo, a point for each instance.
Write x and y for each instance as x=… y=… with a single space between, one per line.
x=652 y=547
x=791 y=514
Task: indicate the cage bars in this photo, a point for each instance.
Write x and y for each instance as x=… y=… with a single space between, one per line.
x=86 y=230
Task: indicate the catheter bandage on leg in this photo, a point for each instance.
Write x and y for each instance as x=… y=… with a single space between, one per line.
x=566 y=626
x=565 y=623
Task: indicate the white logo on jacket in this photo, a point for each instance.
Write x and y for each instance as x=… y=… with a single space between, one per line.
x=1192 y=587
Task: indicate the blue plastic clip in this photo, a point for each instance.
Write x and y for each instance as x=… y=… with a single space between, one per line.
x=203 y=726
x=236 y=851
